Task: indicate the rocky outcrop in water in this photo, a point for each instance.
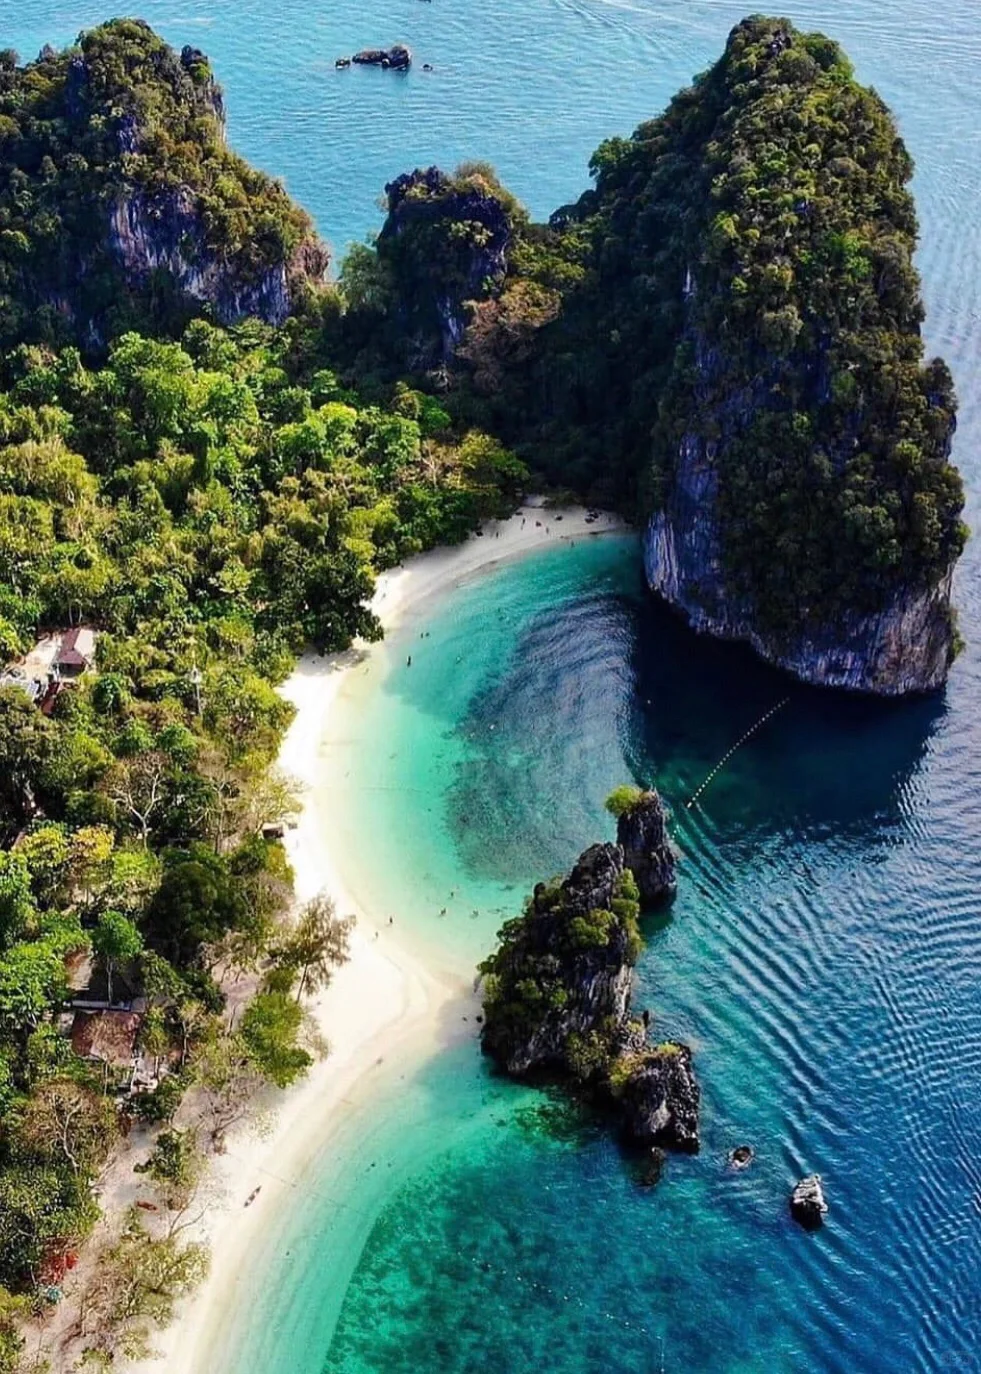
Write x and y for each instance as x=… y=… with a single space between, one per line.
x=725 y=332
x=642 y=835
x=563 y=970
x=397 y=58
x=905 y=646
x=807 y=1203
x=658 y=1098
x=557 y=1003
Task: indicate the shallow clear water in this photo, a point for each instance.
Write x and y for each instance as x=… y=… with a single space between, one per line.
x=824 y=954
x=822 y=958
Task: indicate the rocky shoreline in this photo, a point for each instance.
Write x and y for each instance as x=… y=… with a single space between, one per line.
x=557 y=992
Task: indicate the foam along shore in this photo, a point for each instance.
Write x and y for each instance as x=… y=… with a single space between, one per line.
x=384 y=1010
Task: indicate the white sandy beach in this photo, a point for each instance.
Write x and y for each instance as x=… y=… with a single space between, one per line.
x=383 y=1008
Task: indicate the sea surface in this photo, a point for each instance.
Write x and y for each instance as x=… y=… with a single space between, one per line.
x=824 y=955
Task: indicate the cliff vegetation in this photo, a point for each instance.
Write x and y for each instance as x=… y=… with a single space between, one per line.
x=121 y=206
x=724 y=331
x=557 y=992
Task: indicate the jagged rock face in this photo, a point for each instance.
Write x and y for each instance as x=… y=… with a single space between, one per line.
x=446 y=240
x=156 y=216
x=642 y=835
x=905 y=647
x=791 y=439
x=558 y=999
x=591 y=884
x=659 y=1100
x=597 y=978
x=164 y=233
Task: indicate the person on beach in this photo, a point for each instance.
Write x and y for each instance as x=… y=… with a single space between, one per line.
x=408 y=661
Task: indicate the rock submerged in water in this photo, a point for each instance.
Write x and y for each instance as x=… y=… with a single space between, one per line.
x=807 y=1203
x=398 y=58
x=742 y=1156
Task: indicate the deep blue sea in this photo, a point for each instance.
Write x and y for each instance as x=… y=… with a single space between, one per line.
x=824 y=955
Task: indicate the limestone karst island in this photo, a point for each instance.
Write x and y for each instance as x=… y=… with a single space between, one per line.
x=489 y=683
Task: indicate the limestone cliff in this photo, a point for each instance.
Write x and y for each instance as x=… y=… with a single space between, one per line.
x=164 y=232
x=578 y=955
x=122 y=205
x=801 y=489
x=906 y=646
x=445 y=242
x=643 y=837
x=726 y=337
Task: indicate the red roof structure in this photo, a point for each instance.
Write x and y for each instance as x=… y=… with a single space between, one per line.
x=72 y=653
x=108 y=1036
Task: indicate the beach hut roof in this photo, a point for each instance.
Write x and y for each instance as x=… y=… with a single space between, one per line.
x=109 y=1036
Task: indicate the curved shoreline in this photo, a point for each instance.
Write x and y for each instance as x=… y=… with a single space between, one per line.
x=384 y=1007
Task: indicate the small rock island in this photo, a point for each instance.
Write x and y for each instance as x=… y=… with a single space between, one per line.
x=397 y=58
x=808 y=1205
x=557 y=991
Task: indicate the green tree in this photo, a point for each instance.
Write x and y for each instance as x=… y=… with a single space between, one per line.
x=317 y=945
x=138 y=1282
x=17 y=907
x=32 y=983
x=117 y=941
x=623 y=799
x=270 y=1028
x=25 y=746
x=69 y=1124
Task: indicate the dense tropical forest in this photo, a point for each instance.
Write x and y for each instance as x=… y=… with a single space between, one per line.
x=211 y=517
x=207 y=452
x=207 y=502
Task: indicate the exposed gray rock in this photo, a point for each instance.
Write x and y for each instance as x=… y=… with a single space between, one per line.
x=905 y=647
x=807 y=1202
x=558 y=1004
x=398 y=58
x=439 y=270
x=742 y=1156
x=642 y=835
x=166 y=232
x=659 y=1098
x=596 y=979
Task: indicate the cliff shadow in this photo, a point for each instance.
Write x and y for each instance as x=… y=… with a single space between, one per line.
x=822 y=761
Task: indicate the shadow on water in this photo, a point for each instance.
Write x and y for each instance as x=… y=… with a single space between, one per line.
x=823 y=757
x=610 y=684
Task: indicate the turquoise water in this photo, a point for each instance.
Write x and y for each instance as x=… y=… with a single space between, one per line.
x=824 y=955
x=822 y=958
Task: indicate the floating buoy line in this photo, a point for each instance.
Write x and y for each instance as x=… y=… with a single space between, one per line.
x=738 y=745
